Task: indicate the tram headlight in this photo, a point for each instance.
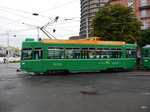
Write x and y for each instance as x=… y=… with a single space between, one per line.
x=23 y=63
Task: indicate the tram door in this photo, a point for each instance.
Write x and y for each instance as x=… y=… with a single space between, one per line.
x=38 y=53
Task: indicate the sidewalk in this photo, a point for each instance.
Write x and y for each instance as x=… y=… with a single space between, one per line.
x=11 y=59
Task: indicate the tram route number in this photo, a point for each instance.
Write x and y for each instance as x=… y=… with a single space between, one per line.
x=57 y=64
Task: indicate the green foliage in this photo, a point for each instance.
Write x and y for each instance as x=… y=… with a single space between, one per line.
x=117 y=23
x=145 y=38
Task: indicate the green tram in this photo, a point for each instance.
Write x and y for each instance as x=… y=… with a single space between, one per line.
x=49 y=55
x=146 y=56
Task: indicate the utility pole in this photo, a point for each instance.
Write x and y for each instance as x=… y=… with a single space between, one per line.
x=38 y=28
x=8 y=47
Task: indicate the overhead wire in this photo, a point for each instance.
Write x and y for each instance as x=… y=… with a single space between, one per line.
x=40 y=12
x=15 y=10
x=21 y=11
x=29 y=24
x=55 y=6
x=63 y=29
x=59 y=6
x=67 y=35
x=7 y=18
x=63 y=23
x=10 y=12
x=14 y=2
x=18 y=31
x=17 y=15
x=23 y=17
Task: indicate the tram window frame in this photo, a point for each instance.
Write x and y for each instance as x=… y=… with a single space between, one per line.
x=55 y=53
x=29 y=56
x=39 y=54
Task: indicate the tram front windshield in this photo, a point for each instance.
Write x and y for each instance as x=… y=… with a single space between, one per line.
x=26 y=54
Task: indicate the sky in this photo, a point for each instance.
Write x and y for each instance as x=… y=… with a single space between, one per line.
x=17 y=19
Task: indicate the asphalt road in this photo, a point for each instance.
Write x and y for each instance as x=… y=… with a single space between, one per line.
x=75 y=92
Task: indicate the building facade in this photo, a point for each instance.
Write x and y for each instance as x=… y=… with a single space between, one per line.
x=13 y=52
x=141 y=8
x=88 y=10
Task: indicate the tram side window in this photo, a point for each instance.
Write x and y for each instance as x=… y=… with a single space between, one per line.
x=88 y=53
x=98 y=52
x=55 y=53
x=76 y=53
x=84 y=53
x=69 y=53
x=72 y=53
x=109 y=53
x=147 y=53
x=131 y=53
x=38 y=53
x=115 y=53
x=102 y=53
x=105 y=53
x=92 y=53
x=26 y=54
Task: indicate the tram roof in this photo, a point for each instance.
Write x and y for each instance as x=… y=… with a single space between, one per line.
x=83 y=41
x=147 y=46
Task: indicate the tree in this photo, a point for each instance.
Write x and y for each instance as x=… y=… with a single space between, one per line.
x=145 y=38
x=117 y=23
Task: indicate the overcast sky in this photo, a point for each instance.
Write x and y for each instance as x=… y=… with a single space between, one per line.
x=16 y=17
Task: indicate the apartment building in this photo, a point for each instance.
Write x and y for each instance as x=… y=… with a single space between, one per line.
x=140 y=7
x=88 y=10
